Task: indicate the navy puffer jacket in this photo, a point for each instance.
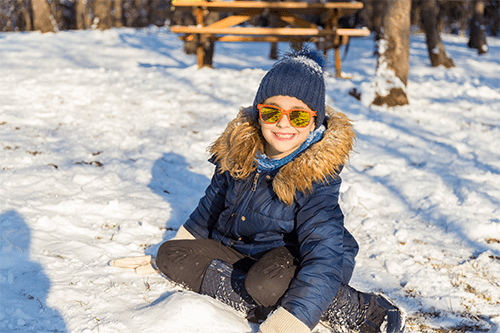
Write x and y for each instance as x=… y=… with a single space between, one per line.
x=296 y=205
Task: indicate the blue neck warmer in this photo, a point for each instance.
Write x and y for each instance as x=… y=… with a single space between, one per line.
x=268 y=164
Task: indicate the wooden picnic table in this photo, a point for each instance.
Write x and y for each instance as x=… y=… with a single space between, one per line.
x=293 y=26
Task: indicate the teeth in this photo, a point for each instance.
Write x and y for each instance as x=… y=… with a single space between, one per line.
x=283 y=136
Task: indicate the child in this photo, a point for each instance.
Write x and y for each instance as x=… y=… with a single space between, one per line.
x=268 y=237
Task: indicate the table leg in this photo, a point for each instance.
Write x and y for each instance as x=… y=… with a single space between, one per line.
x=338 y=65
x=200 y=48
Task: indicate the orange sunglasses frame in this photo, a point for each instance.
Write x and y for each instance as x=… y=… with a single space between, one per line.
x=283 y=112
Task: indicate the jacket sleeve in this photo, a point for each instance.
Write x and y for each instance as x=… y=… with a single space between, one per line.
x=320 y=230
x=209 y=208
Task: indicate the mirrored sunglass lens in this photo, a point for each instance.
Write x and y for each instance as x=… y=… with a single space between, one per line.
x=270 y=115
x=300 y=118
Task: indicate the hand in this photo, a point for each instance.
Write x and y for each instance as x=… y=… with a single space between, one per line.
x=142 y=265
x=282 y=321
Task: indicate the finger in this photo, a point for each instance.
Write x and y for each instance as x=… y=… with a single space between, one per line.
x=145 y=270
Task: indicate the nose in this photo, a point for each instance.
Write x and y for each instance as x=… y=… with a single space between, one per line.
x=284 y=122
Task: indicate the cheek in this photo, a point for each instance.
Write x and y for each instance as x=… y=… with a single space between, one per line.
x=265 y=129
x=262 y=126
x=267 y=134
x=303 y=136
x=308 y=129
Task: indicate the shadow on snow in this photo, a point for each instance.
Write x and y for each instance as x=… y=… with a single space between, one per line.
x=23 y=283
x=173 y=180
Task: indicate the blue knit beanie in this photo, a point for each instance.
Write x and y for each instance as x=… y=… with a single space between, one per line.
x=300 y=75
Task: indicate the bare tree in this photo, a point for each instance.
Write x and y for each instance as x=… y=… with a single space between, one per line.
x=437 y=53
x=54 y=15
x=118 y=14
x=14 y=16
x=102 y=14
x=42 y=18
x=477 y=38
x=394 y=52
x=159 y=12
x=454 y=15
x=372 y=16
x=83 y=14
x=377 y=18
x=24 y=22
x=495 y=24
x=136 y=12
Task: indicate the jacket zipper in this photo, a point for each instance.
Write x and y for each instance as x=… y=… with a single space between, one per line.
x=241 y=206
x=240 y=201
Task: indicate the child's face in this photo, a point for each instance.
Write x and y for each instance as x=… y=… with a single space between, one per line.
x=282 y=138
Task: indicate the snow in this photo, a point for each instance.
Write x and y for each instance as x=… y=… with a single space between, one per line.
x=103 y=137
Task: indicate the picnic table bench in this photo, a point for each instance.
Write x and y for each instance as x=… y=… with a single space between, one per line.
x=294 y=27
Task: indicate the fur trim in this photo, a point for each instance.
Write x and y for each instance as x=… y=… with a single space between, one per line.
x=235 y=151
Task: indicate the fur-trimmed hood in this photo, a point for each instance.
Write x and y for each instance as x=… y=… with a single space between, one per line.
x=236 y=149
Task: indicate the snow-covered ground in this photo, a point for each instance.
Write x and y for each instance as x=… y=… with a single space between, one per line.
x=102 y=155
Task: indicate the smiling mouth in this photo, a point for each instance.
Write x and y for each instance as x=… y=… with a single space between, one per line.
x=284 y=136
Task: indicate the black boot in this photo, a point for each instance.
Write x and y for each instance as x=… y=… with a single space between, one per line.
x=354 y=311
x=226 y=284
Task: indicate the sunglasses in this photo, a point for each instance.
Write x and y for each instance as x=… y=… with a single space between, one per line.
x=271 y=114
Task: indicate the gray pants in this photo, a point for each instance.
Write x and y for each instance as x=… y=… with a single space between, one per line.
x=267 y=278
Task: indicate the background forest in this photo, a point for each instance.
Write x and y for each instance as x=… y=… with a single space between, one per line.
x=454 y=16
x=390 y=20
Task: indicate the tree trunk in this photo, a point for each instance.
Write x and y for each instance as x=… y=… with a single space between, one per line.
x=394 y=52
x=41 y=16
x=135 y=12
x=477 y=38
x=159 y=12
x=83 y=18
x=102 y=11
x=26 y=16
x=209 y=46
x=437 y=53
x=14 y=16
x=118 y=14
x=57 y=15
x=496 y=18
x=4 y=20
x=130 y=13
x=377 y=19
x=416 y=15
